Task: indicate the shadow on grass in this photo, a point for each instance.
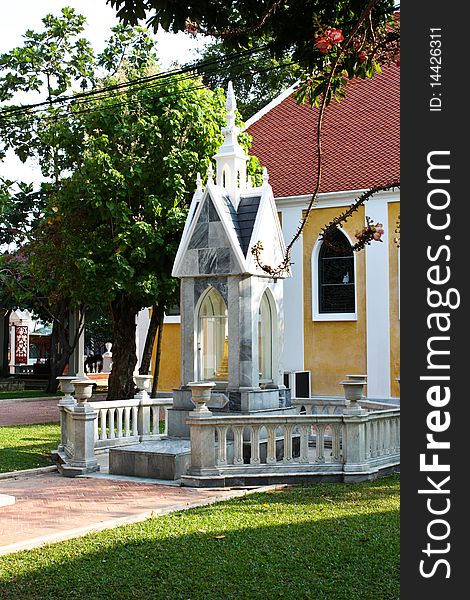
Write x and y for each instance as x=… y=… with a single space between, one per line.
x=225 y=551
x=27 y=446
x=24 y=457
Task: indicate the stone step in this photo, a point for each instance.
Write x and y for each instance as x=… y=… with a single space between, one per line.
x=169 y=458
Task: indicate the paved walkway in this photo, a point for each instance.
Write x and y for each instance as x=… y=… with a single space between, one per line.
x=25 y=411
x=50 y=507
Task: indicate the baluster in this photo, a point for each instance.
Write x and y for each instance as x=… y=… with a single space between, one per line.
x=111 y=423
x=222 y=450
x=254 y=438
x=238 y=445
x=119 y=422
x=335 y=442
x=155 y=419
x=367 y=440
x=127 y=421
x=304 y=432
x=387 y=436
x=97 y=435
x=396 y=428
x=135 y=430
x=377 y=438
x=103 y=435
x=287 y=444
x=320 y=443
x=165 y=417
x=378 y=430
x=373 y=439
x=271 y=449
x=383 y=434
x=392 y=437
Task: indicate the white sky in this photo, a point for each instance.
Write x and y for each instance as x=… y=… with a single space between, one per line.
x=19 y=15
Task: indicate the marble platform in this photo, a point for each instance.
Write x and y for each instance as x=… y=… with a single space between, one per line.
x=165 y=459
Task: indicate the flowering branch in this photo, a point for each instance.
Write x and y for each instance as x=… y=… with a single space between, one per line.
x=365 y=235
x=334 y=38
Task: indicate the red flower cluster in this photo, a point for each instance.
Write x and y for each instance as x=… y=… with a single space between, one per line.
x=362 y=56
x=369 y=233
x=331 y=38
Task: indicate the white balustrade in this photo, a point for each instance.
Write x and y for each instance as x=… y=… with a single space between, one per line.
x=121 y=422
x=301 y=443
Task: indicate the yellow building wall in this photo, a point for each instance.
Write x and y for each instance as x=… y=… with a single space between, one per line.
x=333 y=349
x=169 y=375
x=393 y=213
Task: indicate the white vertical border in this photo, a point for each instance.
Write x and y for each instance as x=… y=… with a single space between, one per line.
x=293 y=353
x=378 y=305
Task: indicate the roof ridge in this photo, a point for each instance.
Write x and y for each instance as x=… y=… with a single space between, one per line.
x=263 y=111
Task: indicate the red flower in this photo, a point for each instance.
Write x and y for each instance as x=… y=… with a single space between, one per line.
x=323 y=44
x=335 y=35
x=362 y=56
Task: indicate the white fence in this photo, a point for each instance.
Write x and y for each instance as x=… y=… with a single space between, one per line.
x=96 y=426
x=305 y=444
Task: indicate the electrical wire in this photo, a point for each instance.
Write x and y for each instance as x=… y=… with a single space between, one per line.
x=198 y=67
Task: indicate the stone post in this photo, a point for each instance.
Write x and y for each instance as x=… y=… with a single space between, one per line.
x=354 y=443
x=83 y=434
x=66 y=401
x=202 y=435
x=142 y=383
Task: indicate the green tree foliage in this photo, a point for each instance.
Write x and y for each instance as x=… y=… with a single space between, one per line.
x=257 y=78
x=293 y=29
x=122 y=211
x=119 y=169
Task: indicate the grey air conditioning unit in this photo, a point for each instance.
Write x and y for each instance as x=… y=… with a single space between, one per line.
x=299 y=383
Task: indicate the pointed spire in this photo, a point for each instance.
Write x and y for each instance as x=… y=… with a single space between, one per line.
x=210 y=173
x=265 y=175
x=230 y=105
x=198 y=182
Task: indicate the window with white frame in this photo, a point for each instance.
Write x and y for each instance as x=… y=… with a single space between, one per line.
x=333 y=270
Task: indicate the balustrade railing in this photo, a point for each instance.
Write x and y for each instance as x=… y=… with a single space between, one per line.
x=120 y=422
x=300 y=444
x=318 y=405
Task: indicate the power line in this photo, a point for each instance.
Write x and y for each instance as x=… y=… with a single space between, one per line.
x=195 y=67
x=85 y=105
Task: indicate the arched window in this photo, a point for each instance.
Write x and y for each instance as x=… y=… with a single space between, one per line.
x=212 y=338
x=265 y=340
x=336 y=293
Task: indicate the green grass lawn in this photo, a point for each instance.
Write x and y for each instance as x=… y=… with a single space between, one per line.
x=333 y=541
x=27 y=446
x=27 y=394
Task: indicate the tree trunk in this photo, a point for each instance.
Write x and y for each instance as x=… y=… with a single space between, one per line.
x=61 y=348
x=4 y=367
x=121 y=383
x=158 y=354
x=150 y=341
x=59 y=357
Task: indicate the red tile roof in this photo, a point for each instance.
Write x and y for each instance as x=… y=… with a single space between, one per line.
x=360 y=139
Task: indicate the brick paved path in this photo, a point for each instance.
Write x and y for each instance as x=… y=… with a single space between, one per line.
x=50 y=507
x=20 y=412
x=24 y=411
